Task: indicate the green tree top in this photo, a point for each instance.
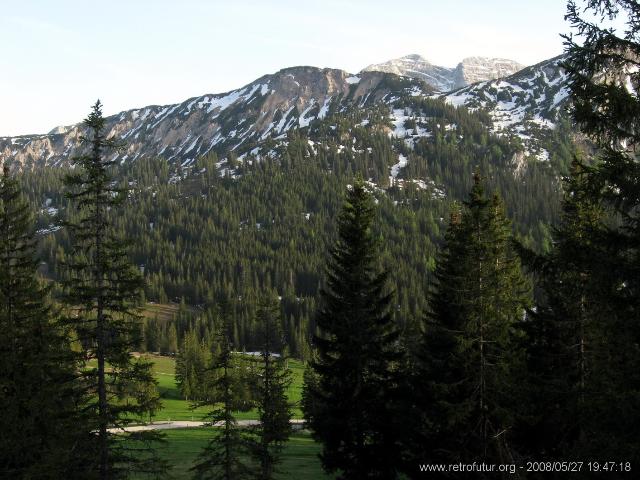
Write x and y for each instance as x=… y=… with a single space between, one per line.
x=357 y=352
x=102 y=290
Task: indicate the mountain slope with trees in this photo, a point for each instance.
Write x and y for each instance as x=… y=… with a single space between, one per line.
x=239 y=225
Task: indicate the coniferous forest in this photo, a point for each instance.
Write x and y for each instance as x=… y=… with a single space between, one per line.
x=485 y=325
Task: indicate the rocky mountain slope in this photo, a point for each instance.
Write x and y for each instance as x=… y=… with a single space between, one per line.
x=528 y=104
x=237 y=120
x=286 y=145
x=253 y=119
x=443 y=79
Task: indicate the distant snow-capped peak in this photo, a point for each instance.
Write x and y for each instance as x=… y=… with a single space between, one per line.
x=443 y=79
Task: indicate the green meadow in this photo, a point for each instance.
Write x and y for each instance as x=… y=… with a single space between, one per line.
x=300 y=454
x=174 y=407
x=299 y=457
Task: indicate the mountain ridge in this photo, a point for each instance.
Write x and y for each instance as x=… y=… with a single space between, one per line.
x=527 y=103
x=271 y=104
x=470 y=70
x=245 y=119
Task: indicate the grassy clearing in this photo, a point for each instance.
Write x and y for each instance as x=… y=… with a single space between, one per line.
x=300 y=454
x=176 y=408
x=163 y=311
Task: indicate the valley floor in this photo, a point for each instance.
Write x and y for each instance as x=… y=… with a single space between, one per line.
x=186 y=436
x=175 y=408
x=299 y=459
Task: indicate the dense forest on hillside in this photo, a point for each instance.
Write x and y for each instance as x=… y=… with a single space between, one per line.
x=461 y=302
x=240 y=226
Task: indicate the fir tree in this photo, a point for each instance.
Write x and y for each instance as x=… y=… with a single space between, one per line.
x=470 y=358
x=102 y=290
x=274 y=379
x=357 y=353
x=191 y=363
x=41 y=428
x=222 y=459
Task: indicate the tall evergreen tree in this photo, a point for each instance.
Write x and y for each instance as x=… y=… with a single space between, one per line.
x=191 y=363
x=41 y=428
x=602 y=65
x=567 y=337
x=471 y=354
x=102 y=290
x=222 y=459
x=357 y=353
x=274 y=379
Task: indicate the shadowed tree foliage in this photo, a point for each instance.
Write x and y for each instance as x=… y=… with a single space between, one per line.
x=357 y=353
x=102 y=290
x=588 y=330
x=222 y=458
x=471 y=357
x=273 y=380
x=568 y=341
x=43 y=434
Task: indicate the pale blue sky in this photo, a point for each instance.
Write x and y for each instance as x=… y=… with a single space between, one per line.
x=58 y=57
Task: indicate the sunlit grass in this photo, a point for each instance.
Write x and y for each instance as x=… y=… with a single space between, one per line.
x=174 y=407
x=299 y=456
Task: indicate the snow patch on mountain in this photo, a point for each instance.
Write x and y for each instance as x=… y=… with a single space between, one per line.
x=522 y=104
x=395 y=169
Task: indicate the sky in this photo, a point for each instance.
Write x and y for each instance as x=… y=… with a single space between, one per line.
x=58 y=57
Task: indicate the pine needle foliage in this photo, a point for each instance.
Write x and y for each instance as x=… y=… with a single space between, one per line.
x=471 y=355
x=591 y=318
x=357 y=353
x=43 y=434
x=273 y=380
x=568 y=342
x=102 y=291
x=224 y=457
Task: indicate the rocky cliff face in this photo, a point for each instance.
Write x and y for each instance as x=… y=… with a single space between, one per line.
x=416 y=66
x=479 y=69
x=237 y=120
x=470 y=70
x=527 y=104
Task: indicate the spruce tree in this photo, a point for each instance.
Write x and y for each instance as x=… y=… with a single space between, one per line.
x=357 y=353
x=101 y=291
x=222 y=458
x=191 y=362
x=41 y=427
x=273 y=380
x=471 y=355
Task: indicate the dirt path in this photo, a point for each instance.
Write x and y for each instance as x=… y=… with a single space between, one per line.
x=296 y=423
